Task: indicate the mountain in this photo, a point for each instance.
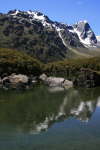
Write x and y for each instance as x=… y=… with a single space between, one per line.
x=85 y=33
x=47 y=40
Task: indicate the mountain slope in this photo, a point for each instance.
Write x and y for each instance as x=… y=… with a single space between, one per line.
x=38 y=36
x=33 y=38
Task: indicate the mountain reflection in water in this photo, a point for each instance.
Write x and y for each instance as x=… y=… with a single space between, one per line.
x=38 y=109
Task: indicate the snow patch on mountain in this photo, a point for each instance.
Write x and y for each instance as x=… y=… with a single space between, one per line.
x=15 y=13
x=30 y=16
x=36 y=16
x=98 y=38
x=60 y=35
x=98 y=41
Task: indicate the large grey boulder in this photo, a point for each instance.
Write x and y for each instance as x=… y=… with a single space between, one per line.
x=56 y=81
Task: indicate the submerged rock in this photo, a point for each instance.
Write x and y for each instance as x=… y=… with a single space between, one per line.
x=56 y=89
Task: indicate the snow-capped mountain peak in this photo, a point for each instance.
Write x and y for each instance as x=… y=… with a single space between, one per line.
x=85 y=33
x=37 y=15
x=82 y=28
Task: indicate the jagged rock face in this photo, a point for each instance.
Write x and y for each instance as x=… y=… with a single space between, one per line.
x=85 y=32
x=30 y=16
x=71 y=39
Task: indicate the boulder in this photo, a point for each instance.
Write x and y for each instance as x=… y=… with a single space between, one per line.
x=43 y=77
x=67 y=84
x=18 y=78
x=56 y=81
x=15 y=81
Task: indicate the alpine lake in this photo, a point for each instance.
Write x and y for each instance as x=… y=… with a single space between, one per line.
x=50 y=119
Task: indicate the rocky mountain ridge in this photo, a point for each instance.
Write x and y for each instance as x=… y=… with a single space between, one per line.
x=82 y=28
x=44 y=39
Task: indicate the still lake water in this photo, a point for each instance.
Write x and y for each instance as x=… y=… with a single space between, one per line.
x=50 y=119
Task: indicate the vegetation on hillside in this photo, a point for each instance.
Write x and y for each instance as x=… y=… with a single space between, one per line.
x=70 y=68
x=12 y=61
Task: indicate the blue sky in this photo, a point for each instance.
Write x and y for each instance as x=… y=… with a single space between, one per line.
x=67 y=11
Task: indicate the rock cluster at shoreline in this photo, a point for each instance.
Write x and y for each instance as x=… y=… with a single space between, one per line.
x=15 y=81
x=21 y=81
x=85 y=78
